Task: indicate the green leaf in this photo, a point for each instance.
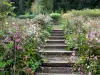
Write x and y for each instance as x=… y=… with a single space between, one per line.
x=10 y=45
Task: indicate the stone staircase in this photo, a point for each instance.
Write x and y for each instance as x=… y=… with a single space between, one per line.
x=57 y=60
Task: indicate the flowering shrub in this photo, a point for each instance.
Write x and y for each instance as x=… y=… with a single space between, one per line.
x=83 y=35
x=21 y=43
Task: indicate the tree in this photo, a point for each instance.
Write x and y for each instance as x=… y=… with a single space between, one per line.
x=22 y=6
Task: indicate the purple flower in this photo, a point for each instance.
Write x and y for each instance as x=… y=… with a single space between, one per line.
x=16 y=35
x=98 y=41
x=93 y=32
x=82 y=73
x=17 y=40
x=18 y=47
x=92 y=36
x=10 y=32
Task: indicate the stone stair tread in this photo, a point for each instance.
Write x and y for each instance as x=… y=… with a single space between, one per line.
x=56 y=51
x=55 y=44
x=55 y=40
x=56 y=74
x=54 y=34
x=57 y=30
x=57 y=37
x=55 y=69
x=59 y=59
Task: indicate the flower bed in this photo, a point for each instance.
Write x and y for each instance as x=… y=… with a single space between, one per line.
x=20 y=43
x=82 y=34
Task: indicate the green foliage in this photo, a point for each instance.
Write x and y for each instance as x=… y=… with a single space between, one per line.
x=75 y=4
x=46 y=5
x=21 y=43
x=31 y=46
x=22 y=6
x=55 y=16
x=5 y=9
x=36 y=8
x=86 y=12
x=82 y=35
x=35 y=62
x=3 y=63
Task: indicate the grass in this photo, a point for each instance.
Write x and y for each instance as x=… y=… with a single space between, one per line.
x=86 y=12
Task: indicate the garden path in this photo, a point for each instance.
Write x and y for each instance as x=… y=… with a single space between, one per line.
x=57 y=60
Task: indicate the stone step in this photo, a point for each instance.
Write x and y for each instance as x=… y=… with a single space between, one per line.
x=57 y=34
x=55 y=41
x=55 y=70
x=55 y=46
x=57 y=74
x=60 y=59
x=58 y=64
x=56 y=37
x=57 y=31
x=56 y=52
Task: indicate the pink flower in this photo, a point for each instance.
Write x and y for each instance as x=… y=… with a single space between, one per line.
x=29 y=70
x=16 y=35
x=92 y=36
x=93 y=32
x=17 y=40
x=79 y=69
x=10 y=32
x=98 y=41
x=82 y=73
x=26 y=57
x=18 y=47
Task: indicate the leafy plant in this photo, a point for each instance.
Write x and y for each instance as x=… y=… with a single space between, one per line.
x=55 y=16
x=83 y=36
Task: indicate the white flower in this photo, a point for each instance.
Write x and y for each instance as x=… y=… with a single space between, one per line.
x=89 y=73
x=87 y=36
x=13 y=23
x=96 y=38
x=88 y=67
x=6 y=22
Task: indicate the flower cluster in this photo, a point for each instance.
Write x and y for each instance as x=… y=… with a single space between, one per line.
x=93 y=36
x=83 y=35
